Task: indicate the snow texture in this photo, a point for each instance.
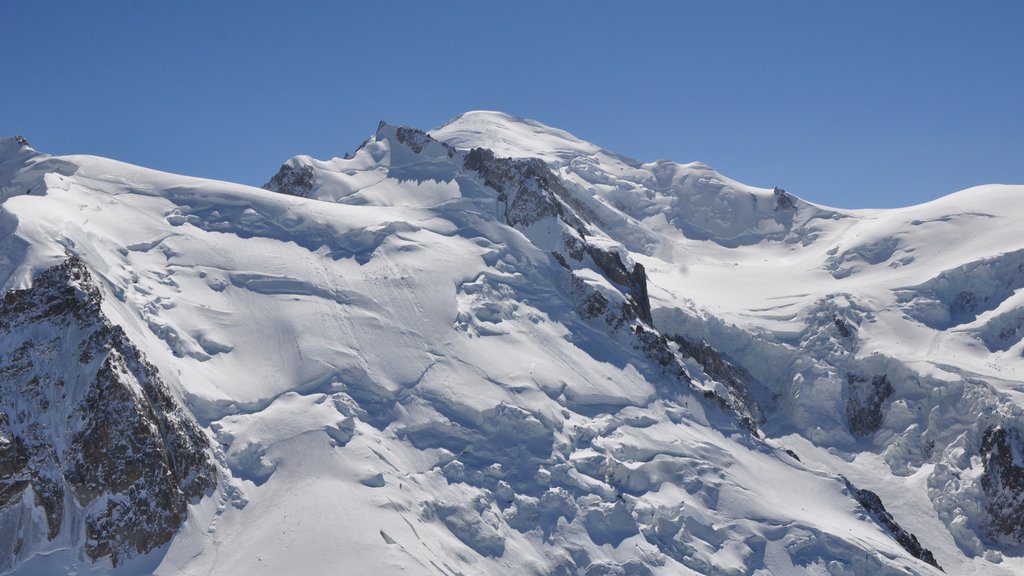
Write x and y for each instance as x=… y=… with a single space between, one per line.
x=494 y=348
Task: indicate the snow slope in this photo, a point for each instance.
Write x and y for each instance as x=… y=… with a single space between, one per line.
x=423 y=359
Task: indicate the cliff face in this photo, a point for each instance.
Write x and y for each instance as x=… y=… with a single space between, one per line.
x=293 y=180
x=1003 y=481
x=94 y=450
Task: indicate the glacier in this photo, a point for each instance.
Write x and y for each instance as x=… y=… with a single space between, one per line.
x=494 y=348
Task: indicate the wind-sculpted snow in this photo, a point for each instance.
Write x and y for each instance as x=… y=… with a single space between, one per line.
x=619 y=193
x=494 y=348
x=960 y=295
x=1003 y=331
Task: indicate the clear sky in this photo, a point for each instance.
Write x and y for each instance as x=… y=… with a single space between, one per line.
x=851 y=104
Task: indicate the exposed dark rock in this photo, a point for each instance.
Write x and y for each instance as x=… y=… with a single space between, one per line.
x=636 y=281
x=735 y=378
x=542 y=192
x=531 y=192
x=842 y=326
x=611 y=264
x=21 y=140
x=292 y=180
x=413 y=138
x=864 y=403
x=575 y=247
x=783 y=201
x=49 y=494
x=873 y=504
x=1002 y=452
x=638 y=289
x=102 y=425
x=417 y=139
x=526 y=186
x=13 y=456
x=592 y=306
x=561 y=260
x=964 y=307
x=657 y=349
x=13 y=461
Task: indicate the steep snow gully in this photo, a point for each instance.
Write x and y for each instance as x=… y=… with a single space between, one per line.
x=494 y=348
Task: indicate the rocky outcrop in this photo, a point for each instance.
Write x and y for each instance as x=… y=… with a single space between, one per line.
x=1002 y=453
x=531 y=193
x=737 y=380
x=864 y=403
x=638 y=289
x=90 y=436
x=842 y=326
x=292 y=179
x=634 y=281
x=527 y=187
x=783 y=201
x=873 y=504
x=417 y=140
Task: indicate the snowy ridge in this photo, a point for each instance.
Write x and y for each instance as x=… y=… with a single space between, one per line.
x=495 y=348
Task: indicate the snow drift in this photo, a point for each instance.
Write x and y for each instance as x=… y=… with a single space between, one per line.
x=494 y=348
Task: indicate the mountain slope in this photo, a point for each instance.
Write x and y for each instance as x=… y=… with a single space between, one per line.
x=95 y=454
x=496 y=348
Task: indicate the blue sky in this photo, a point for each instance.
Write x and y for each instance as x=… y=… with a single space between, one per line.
x=851 y=104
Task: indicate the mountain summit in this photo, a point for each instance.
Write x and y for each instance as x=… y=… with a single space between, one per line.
x=495 y=348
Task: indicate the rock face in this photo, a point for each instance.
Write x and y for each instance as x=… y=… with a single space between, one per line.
x=873 y=504
x=864 y=405
x=294 y=180
x=1002 y=452
x=783 y=201
x=94 y=449
x=736 y=378
x=416 y=139
x=636 y=281
x=531 y=194
x=527 y=187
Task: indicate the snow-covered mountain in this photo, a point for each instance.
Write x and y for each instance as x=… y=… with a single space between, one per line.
x=493 y=348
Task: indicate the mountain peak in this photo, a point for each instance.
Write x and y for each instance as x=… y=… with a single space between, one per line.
x=495 y=117
x=15 y=147
x=511 y=136
x=535 y=352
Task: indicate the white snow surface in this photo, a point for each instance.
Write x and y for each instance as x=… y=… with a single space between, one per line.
x=393 y=380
